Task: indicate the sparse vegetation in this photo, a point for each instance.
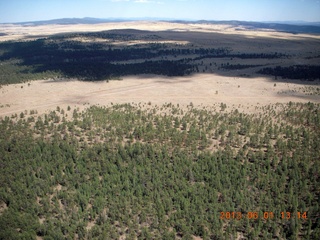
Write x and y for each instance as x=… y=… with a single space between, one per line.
x=70 y=56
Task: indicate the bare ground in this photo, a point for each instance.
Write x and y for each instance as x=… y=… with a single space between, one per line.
x=245 y=94
x=200 y=89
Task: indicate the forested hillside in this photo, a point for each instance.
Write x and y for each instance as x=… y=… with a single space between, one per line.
x=161 y=172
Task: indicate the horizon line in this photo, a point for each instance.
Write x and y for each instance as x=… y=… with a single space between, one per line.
x=163 y=19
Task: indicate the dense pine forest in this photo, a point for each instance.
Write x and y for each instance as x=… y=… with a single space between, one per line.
x=142 y=171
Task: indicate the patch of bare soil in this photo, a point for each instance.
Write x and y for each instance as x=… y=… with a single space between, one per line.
x=57 y=188
x=196 y=238
x=90 y=225
x=3 y=207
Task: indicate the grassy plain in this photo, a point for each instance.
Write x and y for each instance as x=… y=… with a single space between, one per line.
x=244 y=94
x=239 y=88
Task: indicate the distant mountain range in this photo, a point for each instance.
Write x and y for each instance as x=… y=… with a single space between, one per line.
x=290 y=27
x=67 y=21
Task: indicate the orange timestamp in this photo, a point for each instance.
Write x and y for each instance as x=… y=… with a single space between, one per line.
x=261 y=215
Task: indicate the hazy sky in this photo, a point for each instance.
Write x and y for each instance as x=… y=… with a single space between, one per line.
x=249 y=10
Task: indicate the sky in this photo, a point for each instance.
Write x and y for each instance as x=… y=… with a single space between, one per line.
x=242 y=10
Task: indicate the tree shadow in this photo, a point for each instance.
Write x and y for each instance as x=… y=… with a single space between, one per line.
x=105 y=55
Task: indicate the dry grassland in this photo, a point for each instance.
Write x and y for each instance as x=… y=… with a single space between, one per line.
x=246 y=94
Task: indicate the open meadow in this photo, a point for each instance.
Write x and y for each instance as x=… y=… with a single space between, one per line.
x=244 y=94
x=230 y=78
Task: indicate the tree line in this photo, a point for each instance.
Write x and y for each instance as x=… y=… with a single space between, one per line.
x=68 y=56
x=301 y=72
